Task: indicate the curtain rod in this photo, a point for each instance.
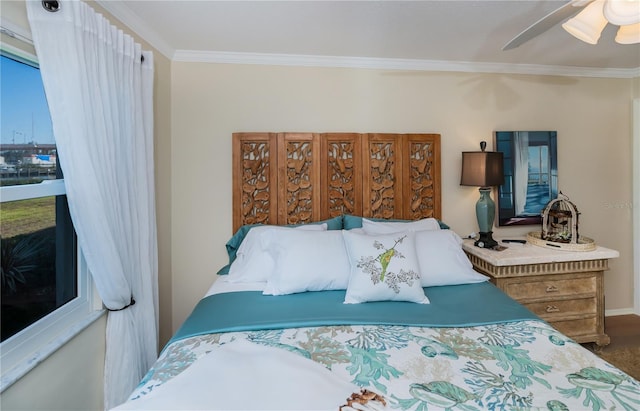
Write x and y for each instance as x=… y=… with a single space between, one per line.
x=12 y=31
x=8 y=32
x=53 y=6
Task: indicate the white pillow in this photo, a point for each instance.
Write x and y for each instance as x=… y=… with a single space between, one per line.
x=307 y=261
x=442 y=260
x=253 y=263
x=387 y=227
x=384 y=267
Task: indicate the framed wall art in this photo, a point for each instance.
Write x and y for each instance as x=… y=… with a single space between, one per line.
x=530 y=175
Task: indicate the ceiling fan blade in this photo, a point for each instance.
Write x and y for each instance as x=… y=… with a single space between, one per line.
x=546 y=23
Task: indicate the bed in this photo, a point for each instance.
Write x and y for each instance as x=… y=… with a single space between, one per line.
x=345 y=290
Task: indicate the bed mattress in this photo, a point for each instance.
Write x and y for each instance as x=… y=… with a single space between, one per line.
x=472 y=348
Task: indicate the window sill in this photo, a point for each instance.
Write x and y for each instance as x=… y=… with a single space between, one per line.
x=29 y=363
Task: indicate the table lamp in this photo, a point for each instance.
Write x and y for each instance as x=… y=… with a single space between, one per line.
x=483 y=169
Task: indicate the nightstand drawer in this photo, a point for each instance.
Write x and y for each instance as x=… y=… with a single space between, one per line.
x=561 y=309
x=548 y=288
x=575 y=328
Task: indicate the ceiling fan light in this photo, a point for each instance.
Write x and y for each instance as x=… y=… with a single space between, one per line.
x=588 y=24
x=622 y=12
x=629 y=34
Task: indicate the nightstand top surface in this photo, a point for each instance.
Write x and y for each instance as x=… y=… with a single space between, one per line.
x=517 y=254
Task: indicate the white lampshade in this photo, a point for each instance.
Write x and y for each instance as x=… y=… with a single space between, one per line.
x=629 y=34
x=622 y=12
x=588 y=24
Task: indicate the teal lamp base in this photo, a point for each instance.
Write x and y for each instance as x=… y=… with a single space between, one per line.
x=485 y=212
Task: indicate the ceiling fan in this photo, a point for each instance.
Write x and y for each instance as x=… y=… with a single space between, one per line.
x=591 y=16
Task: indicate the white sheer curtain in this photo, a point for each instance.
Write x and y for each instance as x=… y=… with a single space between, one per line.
x=521 y=170
x=100 y=96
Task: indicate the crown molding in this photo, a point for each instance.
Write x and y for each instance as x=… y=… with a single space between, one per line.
x=120 y=11
x=195 y=56
x=137 y=25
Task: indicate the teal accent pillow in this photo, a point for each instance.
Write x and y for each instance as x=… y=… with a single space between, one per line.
x=234 y=243
x=352 y=221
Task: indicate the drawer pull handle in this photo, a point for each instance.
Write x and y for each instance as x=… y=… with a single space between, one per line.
x=552 y=309
x=552 y=289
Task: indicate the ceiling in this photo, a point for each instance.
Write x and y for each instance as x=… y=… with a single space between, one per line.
x=451 y=33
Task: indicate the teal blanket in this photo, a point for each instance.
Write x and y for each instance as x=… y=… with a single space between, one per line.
x=451 y=306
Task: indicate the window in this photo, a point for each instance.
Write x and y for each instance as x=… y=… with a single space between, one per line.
x=45 y=284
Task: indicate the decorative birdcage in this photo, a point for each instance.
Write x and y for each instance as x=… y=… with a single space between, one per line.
x=560 y=221
x=560 y=227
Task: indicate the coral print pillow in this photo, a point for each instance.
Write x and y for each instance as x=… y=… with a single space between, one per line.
x=384 y=267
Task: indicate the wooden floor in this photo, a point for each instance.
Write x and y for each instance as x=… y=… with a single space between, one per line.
x=624 y=331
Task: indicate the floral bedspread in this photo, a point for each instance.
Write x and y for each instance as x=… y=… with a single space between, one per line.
x=517 y=365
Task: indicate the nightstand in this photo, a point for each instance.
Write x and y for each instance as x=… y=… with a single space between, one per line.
x=564 y=288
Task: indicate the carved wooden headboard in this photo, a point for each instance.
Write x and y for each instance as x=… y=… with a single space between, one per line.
x=293 y=178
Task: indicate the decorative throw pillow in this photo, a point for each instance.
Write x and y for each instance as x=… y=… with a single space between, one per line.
x=307 y=261
x=442 y=260
x=253 y=263
x=383 y=268
x=386 y=227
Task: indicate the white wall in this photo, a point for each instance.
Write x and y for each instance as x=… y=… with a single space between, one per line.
x=211 y=101
x=70 y=379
